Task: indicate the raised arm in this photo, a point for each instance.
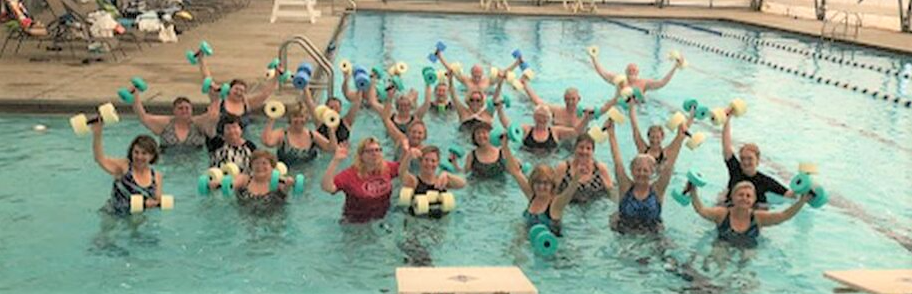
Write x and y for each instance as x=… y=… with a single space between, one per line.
x=620 y=174
x=635 y=126
x=446 y=65
x=461 y=107
x=311 y=108
x=355 y=106
x=727 y=151
x=346 y=88
x=204 y=67
x=567 y=194
x=408 y=179
x=423 y=108
x=714 y=214
x=155 y=123
x=766 y=219
x=327 y=182
x=327 y=144
x=668 y=168
x=606 y=75
x=536 y=100
x=654 y=85
x=514 y=169
x=257 y=100
x=271 y=137
x=114 y=166
x=208 y=121
x=386 y=117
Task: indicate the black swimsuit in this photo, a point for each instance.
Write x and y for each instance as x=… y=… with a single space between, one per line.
x=549 y=144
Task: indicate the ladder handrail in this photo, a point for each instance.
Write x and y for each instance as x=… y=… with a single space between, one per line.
x=311 y=50
x=841 y=17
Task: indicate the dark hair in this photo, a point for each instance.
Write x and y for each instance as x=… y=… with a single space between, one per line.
x=331 y=99
x=477 y=127
x=584 y=138
x=231 y=119
x=145 y=143
x=238 y=81
x=179 y=100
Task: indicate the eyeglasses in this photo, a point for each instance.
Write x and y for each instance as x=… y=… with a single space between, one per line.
x=372 y=150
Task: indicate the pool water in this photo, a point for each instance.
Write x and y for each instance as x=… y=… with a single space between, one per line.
x=55 y=241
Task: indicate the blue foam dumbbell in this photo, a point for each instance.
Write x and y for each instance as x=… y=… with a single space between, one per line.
x=439 y=47
x=302 y=75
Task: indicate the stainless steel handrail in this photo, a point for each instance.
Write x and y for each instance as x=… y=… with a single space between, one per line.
x=325 y=69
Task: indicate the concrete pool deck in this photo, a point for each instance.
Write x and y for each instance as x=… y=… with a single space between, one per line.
x=244 y=42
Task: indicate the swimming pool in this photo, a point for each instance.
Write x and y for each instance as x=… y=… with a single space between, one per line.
x=52 y=240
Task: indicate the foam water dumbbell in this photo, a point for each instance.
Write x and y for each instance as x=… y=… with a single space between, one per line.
x=543 y=241
x=506 y=101
x=676 y=56
x=593 y=51
x=694 y=139
x=429 y=75
x=274 y=109
x=302 y=75
x=204 y=49
x=737 y=107
x=345 y=66
x=598 y=133
x=405 y=196
x=447 y=202
x=107 y=114
x=362 y=78
x=619 y=80
x=421 y=205
x=514 y=133
x=694 y=178
x=274 y=69
x=127 y=94
x=439 y=47
x=223 y=89
x=138 y=203
x=213 y=175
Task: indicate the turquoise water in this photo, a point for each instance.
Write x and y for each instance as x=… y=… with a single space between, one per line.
x=53 y=239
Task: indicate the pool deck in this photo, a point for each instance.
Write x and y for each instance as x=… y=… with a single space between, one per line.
x=244 y=42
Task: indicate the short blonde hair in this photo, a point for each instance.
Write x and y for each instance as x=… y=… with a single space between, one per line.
x=543 y=173
x=648 y=159
x=542 y=108
x=752 y=148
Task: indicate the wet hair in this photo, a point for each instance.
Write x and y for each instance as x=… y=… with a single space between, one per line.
x=656 y=128
x=430 y=149
x=752 y=148
x=181 y=99
x=643 y=157
x=259 y=154
x=238 y=82
x=543 y=173
x=145 y=143
x=232 y=119
x=584 y=138
x=477 y=127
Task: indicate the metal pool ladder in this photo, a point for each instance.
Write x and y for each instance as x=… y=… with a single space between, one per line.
x=841 y=20
x=323 y=75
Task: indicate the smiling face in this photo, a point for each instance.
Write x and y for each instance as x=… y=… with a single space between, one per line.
x=141 y=157
x=477 y=73
x=403 y=105
x=238 y=90
x=262 y=166
x=233 y=132
x=335 y=105
x=656 y=135
x=584 y=150
x=440 y=92
x=744 y=195
x=372 y=154
x=750 y=159
x=571 y=98
x=183 y=110
x=642 y=168
x=633 y=72
x=429 y=162
x=481 y=136
x=417 y=132
x=541 y=116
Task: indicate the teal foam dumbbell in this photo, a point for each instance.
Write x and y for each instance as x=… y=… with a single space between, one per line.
x=543 y=241
x=694 y=178
x=128 y=94
x=429 y=75
x=204 y=49
x=223 y=89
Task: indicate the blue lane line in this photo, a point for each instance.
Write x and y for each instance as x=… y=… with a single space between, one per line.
x=698 y=28
x=623 y=24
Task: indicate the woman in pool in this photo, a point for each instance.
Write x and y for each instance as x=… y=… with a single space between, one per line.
x=297 y=144
x=343 y=131
x=133 y=175
x=594 y=182
x=181 y=131
x=473 y=112
x=415 y=135
x=640 y=206
x=543 y=136
x=740 y=224
x=238 y=103
x=253 y=189
x=745 y=169
x=404 y=115
x=486 y=161
x=546 y=204
x=655 y=134
x=367 y=184
x=427 y=178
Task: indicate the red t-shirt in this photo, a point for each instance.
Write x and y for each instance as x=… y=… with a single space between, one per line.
x=366 y=198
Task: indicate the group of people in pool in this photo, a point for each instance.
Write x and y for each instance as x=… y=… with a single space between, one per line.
x=368 y=183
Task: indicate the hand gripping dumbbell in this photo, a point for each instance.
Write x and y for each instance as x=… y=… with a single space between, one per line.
x=439 y=47
x=362 y=78
x=127 y=94
x=676 y=56
x=273 y=68
x=204 y=49
x=329 y=117
x=303 y=75
x=429 y=75
x=106 y=114
x=138 y=203
x=700 y=112
x=223 y=89
x=514 y=133
x=543 y=241
x=274 y=109
x=694 y=179
x=455 y=152
x=599 y=133
x=737 y=107
x=695 y=139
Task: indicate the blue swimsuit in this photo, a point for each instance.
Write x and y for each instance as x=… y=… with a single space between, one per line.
x=640 y=216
